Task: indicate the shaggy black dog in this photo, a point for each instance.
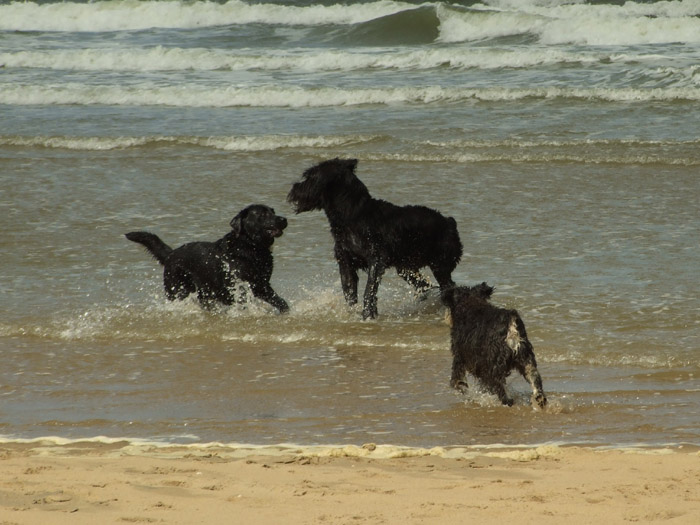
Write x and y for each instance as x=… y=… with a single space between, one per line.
x=373 y=235
x=212 y=269
x=489 y=342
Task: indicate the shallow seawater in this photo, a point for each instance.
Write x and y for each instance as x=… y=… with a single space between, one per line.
x=567 y=154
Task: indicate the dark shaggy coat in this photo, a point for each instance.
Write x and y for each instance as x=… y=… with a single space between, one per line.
x=373 y=235
x=489 y=342
x=212 y=269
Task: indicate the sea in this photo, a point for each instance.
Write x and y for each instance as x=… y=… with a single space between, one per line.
x=562 y=135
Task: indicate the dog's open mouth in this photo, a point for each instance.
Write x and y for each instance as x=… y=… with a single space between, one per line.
x=275 y=232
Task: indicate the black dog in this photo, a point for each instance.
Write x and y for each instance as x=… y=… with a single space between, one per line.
x=373 y=235
x=489 y=342
x=212 y=269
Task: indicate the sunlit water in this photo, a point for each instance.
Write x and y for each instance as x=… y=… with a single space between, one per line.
x=567 y=153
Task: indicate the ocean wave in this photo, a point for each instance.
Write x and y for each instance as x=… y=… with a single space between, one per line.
x=601 y=151
x=298 y=97
x=586 y=151
x=228 y=143
x=574 y=23
x=130 y=15
x=520 y=144
x=161 y=58
x=407 y=27
x=382 y=22
x=537 y=158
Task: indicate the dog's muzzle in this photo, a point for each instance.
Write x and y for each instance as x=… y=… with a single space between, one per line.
x=280 y=225
x=299 y=198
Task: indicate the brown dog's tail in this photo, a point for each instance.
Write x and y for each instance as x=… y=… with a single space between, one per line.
x=157 y=248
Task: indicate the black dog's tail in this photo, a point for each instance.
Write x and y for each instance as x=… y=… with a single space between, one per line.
x=157 y=248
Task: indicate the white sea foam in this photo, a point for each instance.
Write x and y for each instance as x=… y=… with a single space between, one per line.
x=227 y=143
x=75 y=143
x=127 y=446
x=120 y=15
x=552 y=21
x=298 y=97
x=543 y=157
x=556 y=23
x=454 y=151
x=160 y=58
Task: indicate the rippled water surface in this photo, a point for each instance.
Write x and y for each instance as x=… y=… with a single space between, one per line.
x=567 y=152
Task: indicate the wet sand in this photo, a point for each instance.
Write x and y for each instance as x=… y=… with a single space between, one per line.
x=91 y=482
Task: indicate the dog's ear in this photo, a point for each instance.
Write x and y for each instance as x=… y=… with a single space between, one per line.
x=237 y=222
x=484 y=291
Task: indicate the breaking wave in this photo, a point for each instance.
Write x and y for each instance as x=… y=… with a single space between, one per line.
x=601 y=151
x=160 y=58
x=299 y=97
x=383 y=22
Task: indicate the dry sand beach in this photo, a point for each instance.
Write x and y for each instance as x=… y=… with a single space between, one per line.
x=560 y=135
x=46 y=483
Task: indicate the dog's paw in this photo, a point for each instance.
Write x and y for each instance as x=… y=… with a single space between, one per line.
x=460 y=386
x=507 y=401
x=540 y=400
x=369 y=313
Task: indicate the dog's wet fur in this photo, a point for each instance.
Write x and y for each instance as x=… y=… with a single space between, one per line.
x=373 y=235
x=213 y=270
x=489 y=342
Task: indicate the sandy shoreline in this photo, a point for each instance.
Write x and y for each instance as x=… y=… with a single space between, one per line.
x=93 y=482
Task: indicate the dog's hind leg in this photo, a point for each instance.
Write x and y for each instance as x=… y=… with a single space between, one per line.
x=178 y=283
x=207 y=299
x=415 y=279
x=459 y=371
x=531 y=374
x=374 y=277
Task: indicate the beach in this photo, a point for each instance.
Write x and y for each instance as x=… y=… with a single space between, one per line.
x=562 y=138
x=49 y=484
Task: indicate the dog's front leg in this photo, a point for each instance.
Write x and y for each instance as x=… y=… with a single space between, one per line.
x=374 y=277
x=348 y=280
x=499 y=388
x=265 y=292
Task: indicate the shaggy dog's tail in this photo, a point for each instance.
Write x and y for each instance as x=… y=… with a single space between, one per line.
x=157 y=248
x=516 y=337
